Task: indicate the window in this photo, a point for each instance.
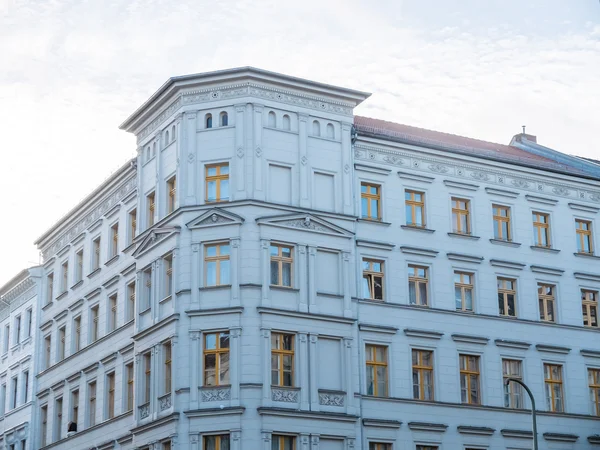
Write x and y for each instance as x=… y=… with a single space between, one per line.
x=330 y=131
x=14 y=392
x=150 y=206
x=26 y=386
x=422 y=374
x=415 y=208
x=167 y=137
x=62 y=332
x=373 y=279
x=96 y=253
x=64 y=284
x=418 y=285
x=553 y=387
x=131 y=300
x=147 y=376
x=44 y=420
x=594 y=382
x=58 y=411
x=461 y=215
x=110 y=386
x=130 y=374
x=168 y=267
x=281 y=265
x=114 y=240
x=272 y=119
x=377 y=370
x=217 y=182
x=463 y=291
x=171 y=191
x=74 y=405
x=513 y=392
x=279 y=442
x=216 y=261
x=2 y=399
x=147 y=276
x=29 y=322
x=506 y=297
x=94 y=325
x=370 y=201
x=316 y=128
x=167 y=367
x=173 y=133
x=208 y=121
x=76 y=334
x=427 y=447
x=166 y=445
x=17 y=329
x=584 y=236
x=6 y=337
x=92 y=404
x=469 y=379
x=541 y=229
x=379 y=446
x=47 y=350
x=286 y=122
x=79 y=266
x=589 y=306
x=282 y=359
x=132 y=224
x=546 y=301
x=217 y=442
x=502 y=223
x=223 y=118
x=216 y=359
x=112 y=312
x=49 y=288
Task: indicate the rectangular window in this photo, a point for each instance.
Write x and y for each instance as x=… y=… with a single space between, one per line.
x=541 y=229
x=58 y=412
x=427 y=447
x=281 y=265
x=94 y=325
x=370 y=201
x=463 y=291
x=131 y=300
x=217 y=265
x=171 y=192
x=114 y=240
x=6 y=337
x=282 y=359
x=469 y=379
x=17 y=329
x=62 y=333
x=96 y=253
x=49 y=288
x=594 y=383
x=553 y=387
x=150 y=206
x=507 y=294
x=546 y=300
x=279 y=442
x=130 y=377
x=112 y=312
x=414 y=203
x=76 y=334
x=79 y=266
x=217 y=182
x=166 y=445
x=167 y=367
x=461 y=215
x=168 y=268
x=2 y=399
x=47 y=350
x=589 y=306
x=215 y=442
x=74 y=406
x=418 y=285
x=147 y=376
x=44 y=421
x=147 y=276
x=14 y=392
x=92 y=404
x=64 y=284
x=29 y=322
x=584 y=236
x=513 y=392
x=379 y=446
x=372 y=279
x=502 y=223
x=110 y=385
x=132 y=219
x=216 y=359
x=377 y=370
x=26 y=386
x=422 y=374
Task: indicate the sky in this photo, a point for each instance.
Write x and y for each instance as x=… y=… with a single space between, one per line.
x=72 y=70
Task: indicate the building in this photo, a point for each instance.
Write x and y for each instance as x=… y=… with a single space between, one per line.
x=19 y=314
x=273 y=272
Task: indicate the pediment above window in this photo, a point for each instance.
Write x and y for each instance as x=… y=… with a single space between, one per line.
x=305 y=222
x=215 y=217
x=154 y=238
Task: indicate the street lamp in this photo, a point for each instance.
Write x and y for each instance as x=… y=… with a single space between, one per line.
x=533 y=417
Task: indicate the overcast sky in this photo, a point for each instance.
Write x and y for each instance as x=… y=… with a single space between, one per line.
x=71 y=71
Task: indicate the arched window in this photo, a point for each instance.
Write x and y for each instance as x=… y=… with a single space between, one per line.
x=167 y=137
x=173 y=133
x=316 y=128
x=272 y=119
x=147 y=153
x=330 y=131
x=224 y=119
x=286 y=122
x=154 y=149
x=208 y=121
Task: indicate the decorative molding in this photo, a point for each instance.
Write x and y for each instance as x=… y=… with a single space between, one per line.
x=144 y=411
x=590 y=353
x=61 y=315
x=91 y=368
x=372 y=169
x=469 y=339
x=561 y=437
x=18 y=290
x=547 y=270
x=375 y=244
x=419 y=251
x=415 y=177
x=544 y=249
x=154 y=238
x=552 y=349
x=502 y=192
x=505 y=242
x=507 y=264
x=112 y=281
x=76 y=305
x=93 y=293
x=215 y=394
x=431 y=427
x=517 y=345
x=377 y=328
x=464 y=236
x=108 y=359
x=315 y=415
x=475 y=431
x=331 y=398
x=215 y=217
x=414 y=228
x=464 y=258
x=459 y=185
x=424 y=334
x=381 y=423
x=288 y=395
x=305 y=222
x=586 y=255
x=585 y=208
x=211 y=412
x=517 y=434
x=302 y=315
x=594 y=439
x=542 y=200
x=214 y=311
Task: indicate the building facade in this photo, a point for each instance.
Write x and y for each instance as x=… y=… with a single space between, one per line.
x=273 y=272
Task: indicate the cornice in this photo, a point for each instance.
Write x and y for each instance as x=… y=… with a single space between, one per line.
x=507 y=264
x=585 y=208
x=475 y=431
x=372 y=169
x=323 y=415
x=552 y=349
x=377 y=328
x=502 y=192
x=465 y=258
x=587 y=276
x=547 y=270
x=381 y=423
x=426 y=334
x=461 y=185
x=518 y=345
x=303 y=315
x=542 y=200
x=164 y=322
x=428 y=252
x=469 y=339
x=374 y=244
x=430 y=427
x=415 y=177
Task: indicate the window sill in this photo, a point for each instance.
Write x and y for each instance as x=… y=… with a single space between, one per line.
x=464 y=236
x=47 y=306
x=216 y=287
x=505 y=243
x=111 y=260
x=415 y=228
x=144 y=311
x=94 y=272
x=543 y=249
x=374 y=221
x=76 y=285
x=586 y=255
x=330 y=294
x=284 y=288
x=62 y=295
x=166 y=299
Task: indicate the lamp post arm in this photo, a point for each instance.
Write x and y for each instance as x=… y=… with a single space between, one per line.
x=533 y=414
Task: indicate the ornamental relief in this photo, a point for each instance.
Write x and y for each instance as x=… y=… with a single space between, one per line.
x=216 y=395
x=368 y=153
x=284 y=395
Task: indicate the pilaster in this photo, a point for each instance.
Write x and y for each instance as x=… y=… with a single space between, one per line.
x=347 y=285
x=235 y=266
x=313 y=381
x=312 y=288
x=303 y=374
x=266 y=440
x=303 y=162
x=236 y=436
x=159 y=191
x=239 y=165
x=304 y=441
x=266 y=282
x=259 y=193
x=188 y=146
x=266 y=370
x=302 y=278
x=347 y=374
x=314 y=442
x=347 y=169
x=235 y=363
x=195 y=294
x=194 y=368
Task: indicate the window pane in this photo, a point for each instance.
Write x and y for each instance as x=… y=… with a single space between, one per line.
x=419 y=216
x=381 y=380
x=212 y=190
x=374 y=208
x=469 y=300
x=378 y=282
x=224 y=190
x=224 y=368
x=370 y=380
x=225 y=272
x=412 y=293
x=286 y=274
x=211 y=250
x=274 y=272
x=409 y=217
x=458 y=297
x=211 y=273
x=423 y=293
x=211 y=171
x=363 y=207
